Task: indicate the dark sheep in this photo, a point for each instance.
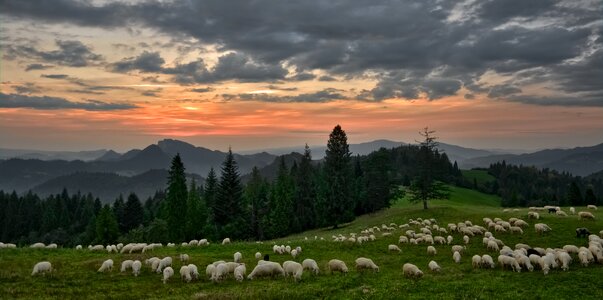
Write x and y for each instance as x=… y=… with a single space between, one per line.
x=267 y=257
x=552 y=210
x=582 y=232
x=532 y=251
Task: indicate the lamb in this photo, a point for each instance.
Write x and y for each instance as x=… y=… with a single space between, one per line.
x=431 y=250
x=267 y=268
x=136 y=265
x=126 y=264
x=238 y=257
x=337 y=265
x=505 y=261
x=42 y=267
x=434 y=267
x=411 y=270
x=590 y=206
x=541 y=228
x=476 y=261
x=164 y=262
x=487 y=261
x=586 y=215
x=310 y=264
x=366 y=263
x=167 y=273
x=226 y=241
x=106 y=266
x=240 y=272
x=572 y=211
x=394 y=248
x=185 y=273
x=184 y=258
x=294 y=269
x=492 y=246
x=565 y=260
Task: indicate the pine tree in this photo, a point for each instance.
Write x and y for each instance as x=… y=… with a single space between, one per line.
x=256 y=194
x=379 y=191
x=589 y=197
x=118 y=209
x=281 y=202
x=339 y=204
x=176 y=200
x=196 y=213
x=228 y=207
x=574 y=196
x=133 y=213
x=209 y=194
x=107 y=229
x=305 y=192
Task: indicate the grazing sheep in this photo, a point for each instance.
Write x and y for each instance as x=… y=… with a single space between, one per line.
x=203 y=242
x=267 y=268
x=51 y=246
x=590 y=206
x=533 y=215
x=466 y=239
x=516 y=229
x=184 y=258
x=492 y=246
x=393 y=248
x=440 y=240
x=294 y=253
x=337 y=265
x=194 y=271
x=238 y=257
x=476 y=261
x=520 y=223
x=164 y=262
x=167 y=273
x=507 y=261
x=294 y=269
x=458 y=248
x=582 y=232
x=185 y=273
x=136 y=266
x=561 y=213
x=586 y=215
x=220 y=273
x=434 y=267
x=449 y=239
x=310 y=264
x=226 y=241
x=411 y=270
x=565 y=260
x=126 y=264
x=583 y=256
x=431 y=250
x=546 y=262
x=78 y=247
x=601 y=234
x=456 y=257
x=572 y=211
x=239 y=272
x=524 y=261
x=366 y=263
x=571 y=249
x=403 y=240
x=37 y=245
x=258 y=255
x=487 y=261
x=106 y=266
x=541 y=228
x=41 y=267
x=210 y=270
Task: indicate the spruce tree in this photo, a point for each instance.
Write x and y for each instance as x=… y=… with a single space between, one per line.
x=118 y=210
x=176 y=200
x=133 y=213
x=589 y=197
x=574 y=196
x=256 y=194
x=107 y=229
x=281 y=208
x=196 y=213
x=305 y=192
x=228 y=207
x=339 y=206
x=209 y=194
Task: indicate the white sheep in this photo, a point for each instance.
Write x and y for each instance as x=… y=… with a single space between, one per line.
x=466 y=239
x=590 y=206
x=220 y=273
x=185 y=273
x=434 y=267
x=583 y=256
x=366 y=263
x=449 y=239
x=337 y=265
x=210 y=271
x=184 y=258
x=294 y=269
x=126 y=264
x=136 y=265
x=37 y=245
x=42 y=267
x=487 y=261
x=167 y=273
x=509 y=261
x=203 y=242
x=403 y=240
x=310 y=264
x=586 y=215
x=258 y=255
x=239 y=272
x=561 y=213
x=547 y=262
x=226 y=241
x=411 y=270
x=294 y=253
x=456 y=256
x=571 y=249
x=194 y=271
x=106 y=266
x=541 y=228
x=164 y=262
x=492 y=246
x=78 y=247
x=51 y=246
x=524 y=261
x=431 y=250
x=237 y=257
x=476 y=261
x=393 y=248
x=266 y=268
x=516 y=229
x=565 y=260
x=458 y=248
x=572 y=211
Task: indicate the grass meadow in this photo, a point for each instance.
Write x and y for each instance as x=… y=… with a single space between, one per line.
x=75 y=276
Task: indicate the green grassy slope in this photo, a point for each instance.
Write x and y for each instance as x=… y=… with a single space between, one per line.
x=76 y=276
x=481 y=176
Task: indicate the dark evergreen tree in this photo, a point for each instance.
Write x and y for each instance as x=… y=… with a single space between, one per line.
x=256 y=194
x=229 y=215
x=196 y=213
x=281 y=203
x=107 y=229
x=158 y=231
x=589 y=197
x=133 y=213
x=574 y=196
x=118 y=209
x=425 y=186
x=176 y=199
x=305 y=192
x=378 y=183
x=339 y=202
x=209 y=194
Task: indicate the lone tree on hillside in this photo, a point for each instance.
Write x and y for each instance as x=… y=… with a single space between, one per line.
x=338 y=171
x=425 y=187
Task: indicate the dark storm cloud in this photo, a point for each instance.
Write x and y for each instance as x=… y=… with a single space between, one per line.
x=69 y=53
x=27 y=88
x=325 y=95
x=503 y=90
x=32 y=67
x=50 y=103
x=202 y=90
x=400 y=44
x=145 y=62
x=55 y=76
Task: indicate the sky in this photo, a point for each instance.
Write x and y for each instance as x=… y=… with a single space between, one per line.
x=506 y=74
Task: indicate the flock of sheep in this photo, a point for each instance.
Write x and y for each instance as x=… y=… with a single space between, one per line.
x=416 y=231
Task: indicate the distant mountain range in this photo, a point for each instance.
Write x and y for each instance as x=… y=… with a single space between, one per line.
x=107 y=173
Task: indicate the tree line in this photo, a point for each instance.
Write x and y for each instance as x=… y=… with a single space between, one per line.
x=305 y=194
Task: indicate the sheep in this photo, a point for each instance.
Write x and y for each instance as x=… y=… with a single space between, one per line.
x=136 y=265
x=440 y=240
x=167 y=273
x=590 y=206
x=546 y=262
x=210 y=270
x=258 y=255
x=586 y=215
x=533 y=215
x=106 y=266
x=238 y=257
x=366 y=263
x=411 y=270
x=239 y=272
x=476 y=261
x=434 y=267
x=193 y=271
x=524 y=261
x=449 y=239
x=601 y=234
x=487 y=261
x=164 y=262
x=431 y=250
x=203 y=242
x=294 y=253
x=51 y=246
x=184 y=258
x=582 y=232
x=42 y=267
x=126 y=264
x=294 y=269
x=541 y=228
x=220 y=272
x=466 y=239
x=337 y=265
x=185 y=273
x=37 y=245
x=226 y=241
x=403 y=240
x=456 y=256
x=492 y=246
x=266 y=268
x=516 y=229
x=520 y=223
x=393 y=248
x=505 y=261
x=583 y=256
x=310 y=264
x=458 y=248
x=561 y=213
x=572 y=211
x=565 y=260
